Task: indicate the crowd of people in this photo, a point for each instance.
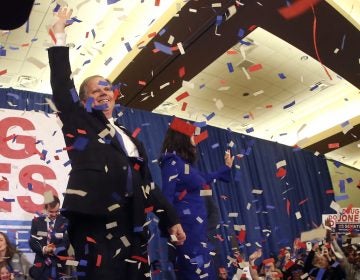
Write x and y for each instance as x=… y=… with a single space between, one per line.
x=334 y=258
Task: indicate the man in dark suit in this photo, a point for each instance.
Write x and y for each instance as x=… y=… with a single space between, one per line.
x=110 y=189
x=49 y=240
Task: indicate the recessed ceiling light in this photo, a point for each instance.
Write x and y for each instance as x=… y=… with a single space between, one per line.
x=246 y=94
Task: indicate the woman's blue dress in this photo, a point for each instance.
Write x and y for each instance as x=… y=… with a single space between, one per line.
x=182 y=185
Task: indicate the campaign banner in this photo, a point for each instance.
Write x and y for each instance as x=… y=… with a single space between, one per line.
x=347 y=220
x=33 y=162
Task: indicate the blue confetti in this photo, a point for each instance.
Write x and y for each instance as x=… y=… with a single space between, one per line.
x=209 y=117
x=162 y=31
x=86 y=62
x=282 y=76
x=249 y=130
x=200 y=124
x=163 y=48
x=289 y=105
x=109 y=2
x=74 y=95
x=345 y=124
x=241 y=33
x=80 y=143
x=218 y=20
x=214 y=146
x=88 y=104
x=67 y=163
x=9 y=199
x=341 y=197
x=230 y=67
x=56 y=9
x=2 y=52
x=103 y=83
x=128 y=47
x=349 y=180
x=342 y=186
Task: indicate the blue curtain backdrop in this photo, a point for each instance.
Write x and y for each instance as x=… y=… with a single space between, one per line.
x=268 y=220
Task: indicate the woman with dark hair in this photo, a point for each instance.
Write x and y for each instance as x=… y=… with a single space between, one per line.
x=185 y=187
x=10 y=257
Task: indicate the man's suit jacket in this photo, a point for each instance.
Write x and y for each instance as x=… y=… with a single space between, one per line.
x=99 y=165
x=39 y=239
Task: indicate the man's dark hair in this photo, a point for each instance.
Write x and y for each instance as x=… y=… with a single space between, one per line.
x=180 y=144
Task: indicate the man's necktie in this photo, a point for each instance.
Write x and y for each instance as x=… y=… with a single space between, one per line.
x=121 y=142
x=50 y=230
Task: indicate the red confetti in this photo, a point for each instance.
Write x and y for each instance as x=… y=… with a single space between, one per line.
x=201 y=137
x=184 y=105
x=3 y=72
x=136 y=132
x=219 y=237
x=149 y=209
x=255 y=67
x=232 y=52
x=155 y=50
x=182 y=127
x=90 y=239
x=297 y=8
x=157 y=2
x=329 y=191
x=139 y=258
x=136 y=166
x=288 y=207
x=98 y=260
x=151 y=35
x=69 y=135
x=182 y=72
x=268 y=106
x=182 y=96
x=81 y=131
x=333 y=145
x=116 y=93
x=281 y=172
x=182 y=195
x=303 y=201
x=348 y=209
x=87 y=34
x=10 y=137
x=241 y=236
x=142 y=83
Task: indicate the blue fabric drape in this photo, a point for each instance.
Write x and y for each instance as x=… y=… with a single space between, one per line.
x=268 y=221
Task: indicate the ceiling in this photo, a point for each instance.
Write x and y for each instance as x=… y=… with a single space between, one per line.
x=262 y=86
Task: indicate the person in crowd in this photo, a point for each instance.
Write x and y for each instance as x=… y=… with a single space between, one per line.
x=321 y=265
x=5 y=273
x=49 y=241
x=11 y=258
x=184 y=186
x=223 y=273
x=110 y=189
x=348 y=257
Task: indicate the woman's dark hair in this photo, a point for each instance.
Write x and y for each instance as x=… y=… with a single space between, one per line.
x=10 y=249
x=180 y=144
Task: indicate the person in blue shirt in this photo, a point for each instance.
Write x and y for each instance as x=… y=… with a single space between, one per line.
x=185 y=187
